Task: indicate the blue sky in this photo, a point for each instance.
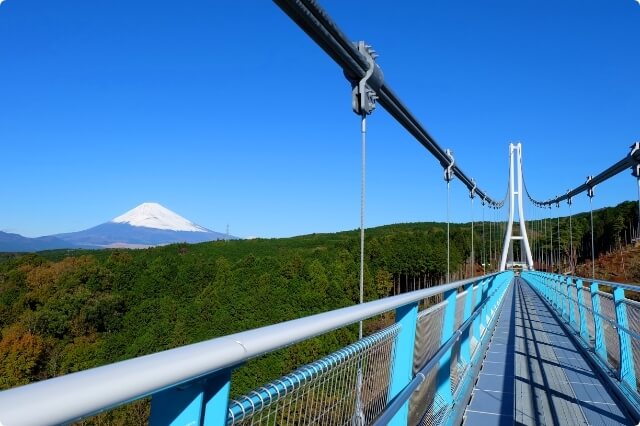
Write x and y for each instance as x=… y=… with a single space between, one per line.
x=227 y=113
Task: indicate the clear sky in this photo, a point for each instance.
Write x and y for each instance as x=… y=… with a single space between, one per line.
x=227 y=113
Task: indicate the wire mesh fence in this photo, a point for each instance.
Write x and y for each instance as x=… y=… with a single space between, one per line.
x=350 y=386
x=586 y=299
x=427 y=343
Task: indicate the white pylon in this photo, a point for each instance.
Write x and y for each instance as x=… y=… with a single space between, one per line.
x=515 y=188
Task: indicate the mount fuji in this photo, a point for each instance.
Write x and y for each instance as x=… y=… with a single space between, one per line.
x=147 y=225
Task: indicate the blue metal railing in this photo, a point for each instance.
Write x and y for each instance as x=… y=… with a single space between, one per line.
x=190 y=384
x=606 y=324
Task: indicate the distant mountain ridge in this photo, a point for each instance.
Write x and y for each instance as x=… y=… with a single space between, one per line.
x=147 y=225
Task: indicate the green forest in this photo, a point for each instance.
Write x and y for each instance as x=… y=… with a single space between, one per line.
x=68 y=310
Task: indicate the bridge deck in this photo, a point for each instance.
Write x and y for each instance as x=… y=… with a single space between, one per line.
x=534 y=375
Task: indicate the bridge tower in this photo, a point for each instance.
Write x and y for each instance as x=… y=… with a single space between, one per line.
x=515 y=194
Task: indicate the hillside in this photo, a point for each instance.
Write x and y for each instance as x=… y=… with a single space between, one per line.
x=68 y=310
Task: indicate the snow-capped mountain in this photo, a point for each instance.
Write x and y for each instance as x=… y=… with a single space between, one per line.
x=149 y=224
x=153 y=215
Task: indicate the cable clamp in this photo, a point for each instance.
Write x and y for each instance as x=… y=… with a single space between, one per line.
x=448 y=171
x=363 y=97
x=591 y=187
x=472 y=192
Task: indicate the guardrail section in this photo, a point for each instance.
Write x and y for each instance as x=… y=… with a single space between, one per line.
x=605 y=320
x=416 y=370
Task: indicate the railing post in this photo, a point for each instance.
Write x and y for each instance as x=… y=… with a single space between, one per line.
x=485 y=292
x=547 y=283
x=584 y=331
x=564 y=298
x=402 y=366
x=557 y=287
x=627 y=369
x=444 y=371
x=571 y=303
x=465 y=345
x=600 y=343
x=202 y=402
x=481 y=294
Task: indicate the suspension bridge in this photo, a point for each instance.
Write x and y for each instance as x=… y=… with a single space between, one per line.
x=530 y=343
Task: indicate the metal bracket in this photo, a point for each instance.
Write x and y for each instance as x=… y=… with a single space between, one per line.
x=635 y=150
x=635 y=169
x=590 y=190
x=363 y=97
x=569 y=199
x=472 y=191
x=448 y=171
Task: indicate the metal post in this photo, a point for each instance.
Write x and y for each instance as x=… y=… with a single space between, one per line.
x=485 y=291
x=444 y=372
x=402 y=365
x=572 y=304
x=627 y=369
x=465 y=344
x=202 y=402
x=478 y=300
x=600 y=343
x=584 y=331
x=563 y=287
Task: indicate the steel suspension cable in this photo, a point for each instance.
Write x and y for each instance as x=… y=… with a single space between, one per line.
x=593 y=247
x=571 y=260
x=544 y=253
x=448 y=176
x=637 y=174
x=491 y=239
x=484 y=245
x=631 y=160
x=448 y=238
x=472 y=252
x=559 y=249
x=363 y=146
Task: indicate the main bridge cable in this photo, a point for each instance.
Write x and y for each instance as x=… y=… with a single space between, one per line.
x=631 y=160
x=313 y=20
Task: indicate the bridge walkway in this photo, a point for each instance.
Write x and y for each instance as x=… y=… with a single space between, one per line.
x=533 y=374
